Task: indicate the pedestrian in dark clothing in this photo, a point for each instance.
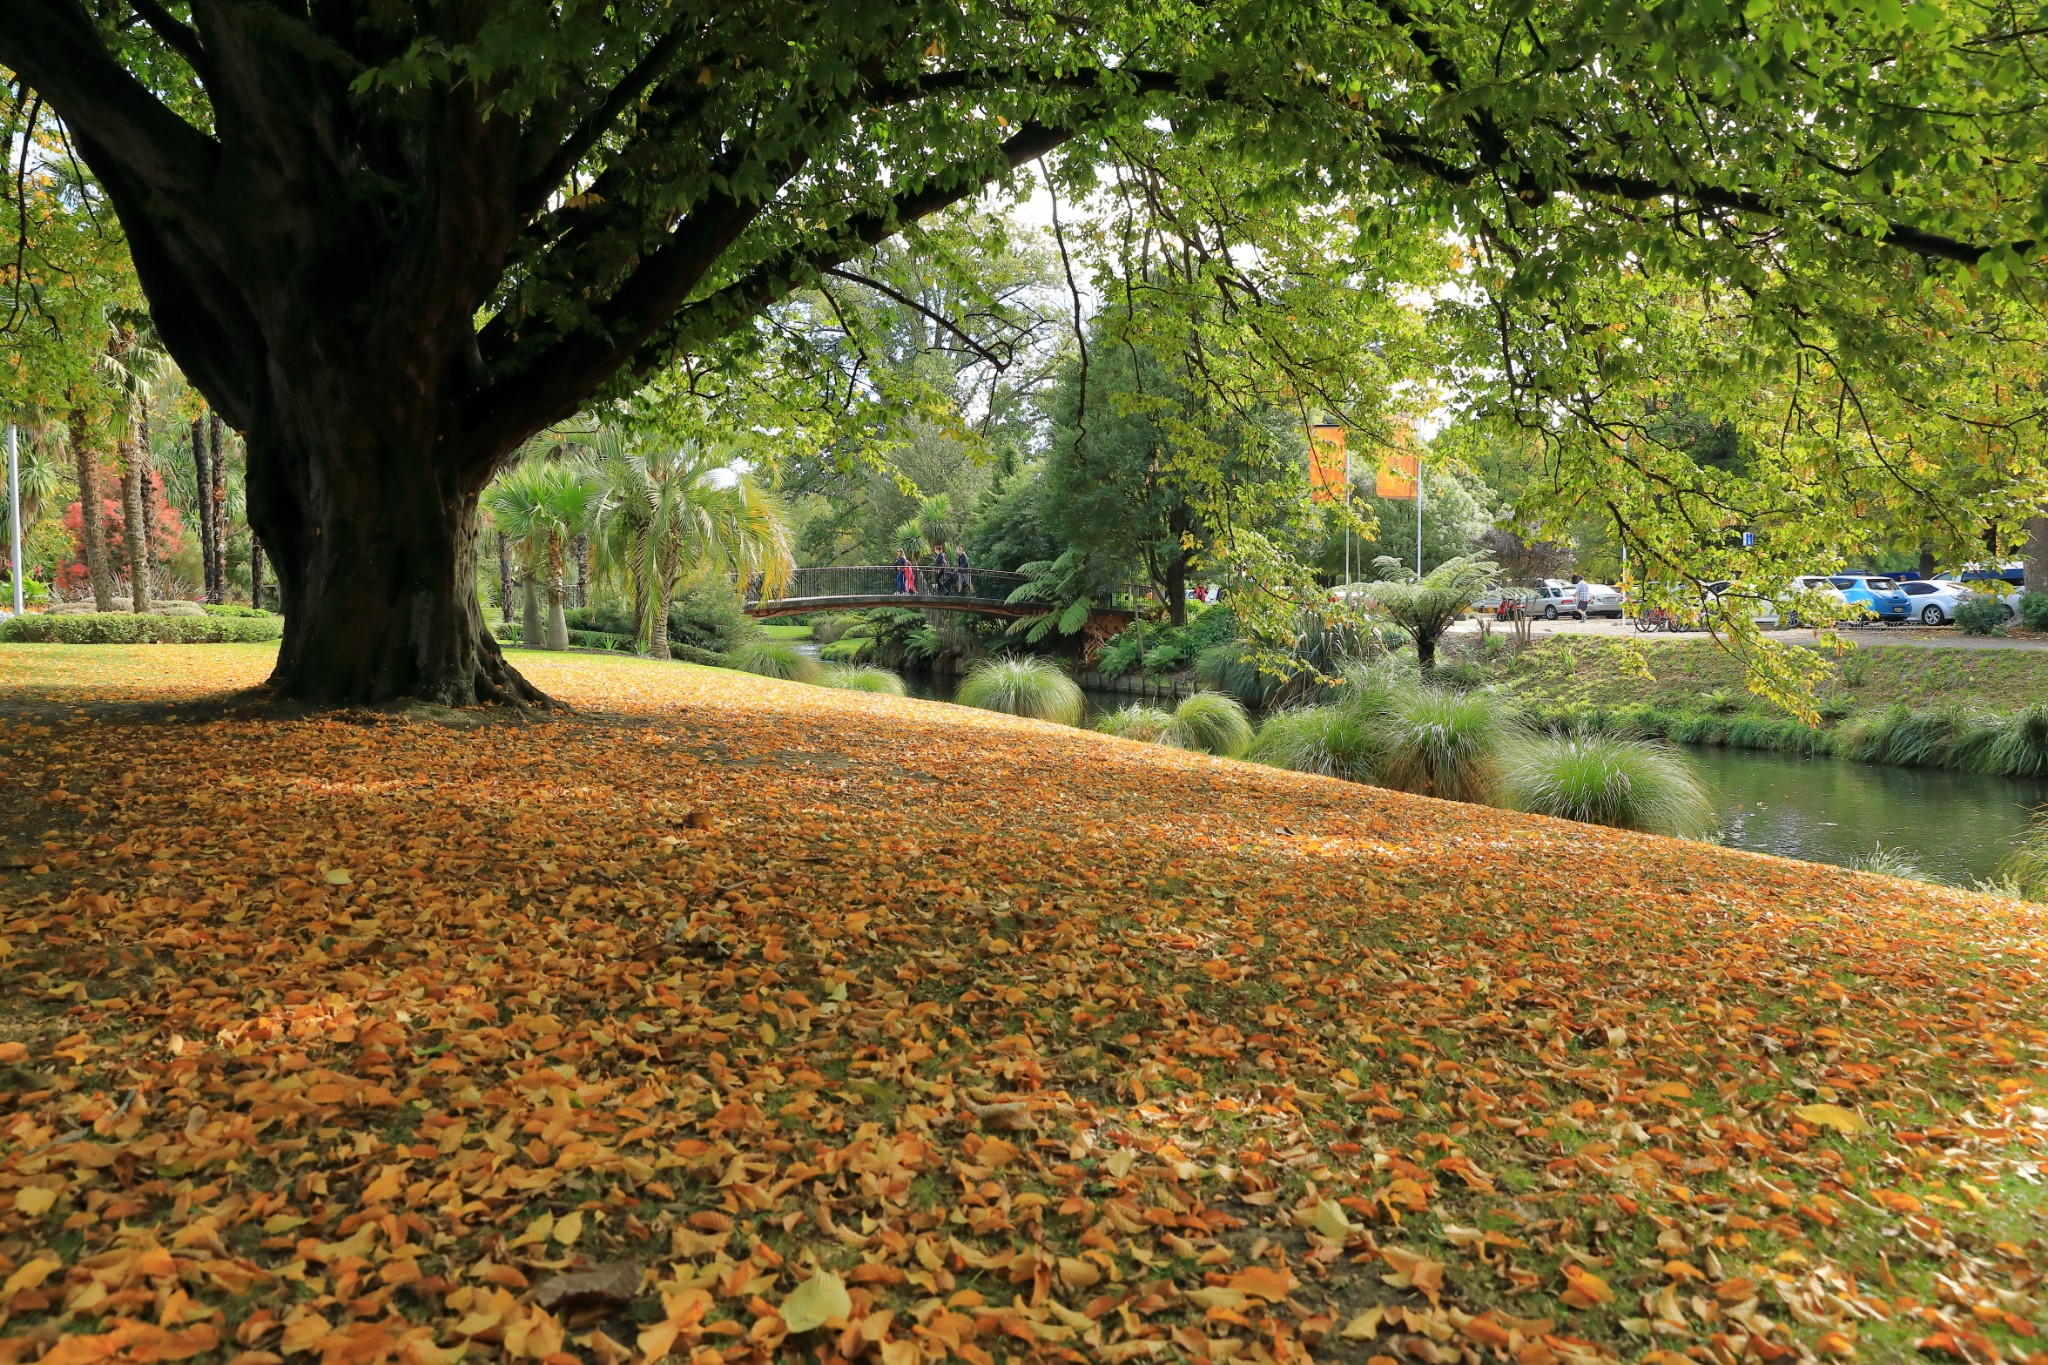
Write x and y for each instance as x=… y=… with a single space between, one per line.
x=961 y=572
x=906 y=573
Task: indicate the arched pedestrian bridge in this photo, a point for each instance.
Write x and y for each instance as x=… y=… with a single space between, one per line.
x=979 y=592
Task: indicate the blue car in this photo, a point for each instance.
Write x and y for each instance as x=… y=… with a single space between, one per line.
x=1882 y=597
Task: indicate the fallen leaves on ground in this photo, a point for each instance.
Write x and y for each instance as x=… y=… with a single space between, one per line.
x=736 y=1019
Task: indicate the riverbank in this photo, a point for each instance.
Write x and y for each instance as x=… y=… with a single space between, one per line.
x=1974 y=710
x=817 y=1020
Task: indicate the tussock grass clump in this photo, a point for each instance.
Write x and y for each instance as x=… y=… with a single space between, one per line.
x=1890 y=862
x=1033 y=688
x=1330 y=741
x=2024 y=873
x=1605 y=780
x=1136 y=721
x=1445 y=744
x=861 y=678
x=1210 y=723
x=2008 y=746
x=771 y=658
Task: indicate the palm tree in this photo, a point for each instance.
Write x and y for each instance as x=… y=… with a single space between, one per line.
x=672 y=514
x=1426 y=607
x=82 y=434
x=134 y=362
x=540 y=506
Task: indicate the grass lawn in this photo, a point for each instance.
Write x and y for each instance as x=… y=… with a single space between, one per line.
x=1564 y=670
x=783 y=630
x=834 y=1025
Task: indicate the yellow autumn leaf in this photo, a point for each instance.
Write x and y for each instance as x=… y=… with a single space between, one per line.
x=30 y=1275
x=34 y=1201
x=339 y=876
x=1365 y=1326
x=1328 y=1218
x=568 y=1228
x=301 y=1333
x=1831 y=1116
x=1587 y=1290
x=817 y=1301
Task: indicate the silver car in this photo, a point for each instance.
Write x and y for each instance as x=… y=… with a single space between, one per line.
x=1555 y=598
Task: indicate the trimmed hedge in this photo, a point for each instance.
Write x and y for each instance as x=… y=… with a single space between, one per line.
x=125 y=628
x=234 y=609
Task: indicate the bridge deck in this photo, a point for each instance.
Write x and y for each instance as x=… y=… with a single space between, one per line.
x=852 y=587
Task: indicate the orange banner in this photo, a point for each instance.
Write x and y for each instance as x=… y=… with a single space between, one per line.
x=1326 y=468
x=1397 y=481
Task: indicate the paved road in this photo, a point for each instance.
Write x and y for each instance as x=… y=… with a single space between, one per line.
x=1928 y=637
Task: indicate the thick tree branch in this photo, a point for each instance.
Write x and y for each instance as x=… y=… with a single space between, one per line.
x=54 y=45
x=179 y=37
x=1414 y=155
x=645 y=321
x=932 y=314
x=573 y=148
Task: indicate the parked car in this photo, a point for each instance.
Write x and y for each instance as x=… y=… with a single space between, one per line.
x=2009 y=598
x=1762 y=609
x=1879 y=597
x=1933 y=602
x=1554 y=597
x=2012 y=573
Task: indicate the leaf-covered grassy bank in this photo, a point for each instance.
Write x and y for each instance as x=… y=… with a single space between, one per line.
x=823 y=1024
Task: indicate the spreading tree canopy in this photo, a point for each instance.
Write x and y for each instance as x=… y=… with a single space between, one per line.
x=390 y=242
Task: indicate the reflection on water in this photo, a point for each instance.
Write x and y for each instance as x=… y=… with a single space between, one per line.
x=1957 y=826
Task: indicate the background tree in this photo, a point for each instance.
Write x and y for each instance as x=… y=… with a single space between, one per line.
x=669 y=514
x=541 y=505
x=1425 y=607
x=609 y=187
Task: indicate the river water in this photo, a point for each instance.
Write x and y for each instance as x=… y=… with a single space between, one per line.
x=1957 y=826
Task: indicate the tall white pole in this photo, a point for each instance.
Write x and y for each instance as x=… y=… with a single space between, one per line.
x=14 y=514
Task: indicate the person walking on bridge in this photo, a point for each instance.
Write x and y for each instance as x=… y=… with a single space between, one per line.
x=906 y=574
x=963 y=577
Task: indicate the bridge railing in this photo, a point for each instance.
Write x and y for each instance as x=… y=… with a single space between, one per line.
x=885 y=580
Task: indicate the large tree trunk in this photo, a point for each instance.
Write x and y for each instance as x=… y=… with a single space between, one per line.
x=202 y=487
x=530 y=633
x=2036 y=574
x=1177 y=568
x=152 y=490
x=376 y=561
x=558 y=623
x=581 y=548
x=657 y=636
x=92 y=527
x=134 y=530
x=505 y=581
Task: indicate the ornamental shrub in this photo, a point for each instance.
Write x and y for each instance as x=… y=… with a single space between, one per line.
x=862 y=678
x=1981 y=615
x=772 y=658
x=2034 y=610
x=125 y=628
x=1033 y=688
x=1209 y=723
x=1137 y=721
x=235 y=609
x=1604 y=780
